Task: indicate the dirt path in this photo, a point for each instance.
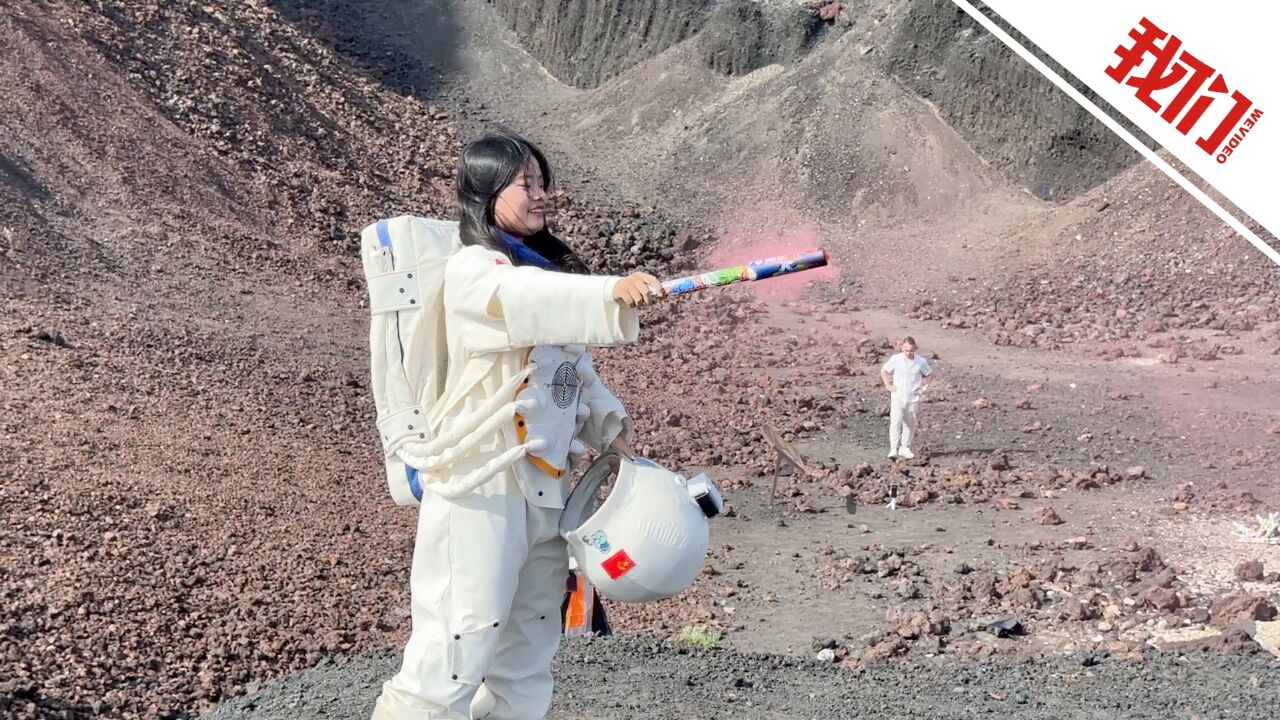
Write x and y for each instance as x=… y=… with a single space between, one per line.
x=769 y=586
x=1200 y=418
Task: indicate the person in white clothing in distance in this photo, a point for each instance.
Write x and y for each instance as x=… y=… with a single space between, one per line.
x=906 y=376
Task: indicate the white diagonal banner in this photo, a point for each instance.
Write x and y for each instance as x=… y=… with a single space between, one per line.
x=1199 y=80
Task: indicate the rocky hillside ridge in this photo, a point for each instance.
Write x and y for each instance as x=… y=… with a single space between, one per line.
x=1012 y=116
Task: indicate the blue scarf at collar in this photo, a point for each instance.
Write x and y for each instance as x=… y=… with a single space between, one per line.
x=522 y=254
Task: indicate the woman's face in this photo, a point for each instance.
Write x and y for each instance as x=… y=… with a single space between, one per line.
x=520 y=206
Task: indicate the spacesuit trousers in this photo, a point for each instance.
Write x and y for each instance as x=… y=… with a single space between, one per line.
x=488 y=578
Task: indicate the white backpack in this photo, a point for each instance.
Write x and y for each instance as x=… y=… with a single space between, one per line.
x=404 y=265
x=404 y=260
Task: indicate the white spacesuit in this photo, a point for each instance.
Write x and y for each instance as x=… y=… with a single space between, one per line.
x=489 y=565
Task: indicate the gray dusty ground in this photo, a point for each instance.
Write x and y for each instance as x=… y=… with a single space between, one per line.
x=631 y=678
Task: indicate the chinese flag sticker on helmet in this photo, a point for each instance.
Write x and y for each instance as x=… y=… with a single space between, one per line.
x=618 y=564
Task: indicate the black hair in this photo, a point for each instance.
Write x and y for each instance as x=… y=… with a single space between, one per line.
x=485 y=168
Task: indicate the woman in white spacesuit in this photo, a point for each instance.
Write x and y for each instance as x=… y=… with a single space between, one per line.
x=489 y=565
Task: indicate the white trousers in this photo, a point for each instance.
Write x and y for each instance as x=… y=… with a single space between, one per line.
x=902 y=421
x=488 y=578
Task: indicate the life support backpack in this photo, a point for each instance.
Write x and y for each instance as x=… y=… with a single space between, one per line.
x=404 y=261
x=404 y=264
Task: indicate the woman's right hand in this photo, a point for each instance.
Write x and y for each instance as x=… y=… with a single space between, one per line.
x=638 y=289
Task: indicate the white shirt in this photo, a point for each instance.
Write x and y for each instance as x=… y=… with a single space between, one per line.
x=908 y=375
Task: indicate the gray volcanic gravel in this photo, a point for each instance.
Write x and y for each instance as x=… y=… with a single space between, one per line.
x=630 y=677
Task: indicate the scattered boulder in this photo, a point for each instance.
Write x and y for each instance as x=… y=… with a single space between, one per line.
x=1046 y=516
x=1162 y=598
x=829 y=12
x=1231 y=609
x=1250 y=571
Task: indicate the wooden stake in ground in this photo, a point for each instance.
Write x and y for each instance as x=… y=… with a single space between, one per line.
x=783 y=451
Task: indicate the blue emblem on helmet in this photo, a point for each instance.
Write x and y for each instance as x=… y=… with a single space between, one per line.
x=598 y=540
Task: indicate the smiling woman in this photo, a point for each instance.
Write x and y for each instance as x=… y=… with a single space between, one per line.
x=519 y=407
x=521 y=206
x=502 y=190
x=503 y=181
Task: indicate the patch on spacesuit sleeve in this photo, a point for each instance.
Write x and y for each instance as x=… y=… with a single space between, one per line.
x=618 y=564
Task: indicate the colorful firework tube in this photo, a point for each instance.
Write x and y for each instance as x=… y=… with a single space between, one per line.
x=754 y=270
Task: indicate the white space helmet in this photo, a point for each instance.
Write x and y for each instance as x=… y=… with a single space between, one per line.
x=649 y=538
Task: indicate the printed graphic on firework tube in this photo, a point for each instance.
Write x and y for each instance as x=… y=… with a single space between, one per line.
x=762 y=269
